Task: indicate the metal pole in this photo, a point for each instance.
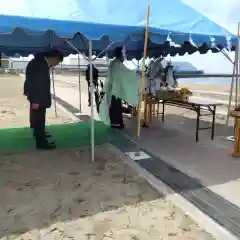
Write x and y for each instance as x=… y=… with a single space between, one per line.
x=72 y=46
x=54 y=92
x=225 y=55
x=107 y=58
x=91 y=90
x=79 y=85
x=231 y=88
x=235 y=71
x=104 y=51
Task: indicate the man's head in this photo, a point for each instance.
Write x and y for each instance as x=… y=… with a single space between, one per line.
x=54 y=58
x=118 y=53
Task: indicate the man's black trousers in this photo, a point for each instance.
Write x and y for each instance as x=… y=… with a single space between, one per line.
x=37 y=123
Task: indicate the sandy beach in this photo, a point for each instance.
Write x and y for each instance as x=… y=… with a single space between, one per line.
x=63 y=195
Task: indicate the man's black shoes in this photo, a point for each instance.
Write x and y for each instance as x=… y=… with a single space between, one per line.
x=46 y=146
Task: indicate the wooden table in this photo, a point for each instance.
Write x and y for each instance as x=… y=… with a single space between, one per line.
x=201 y=107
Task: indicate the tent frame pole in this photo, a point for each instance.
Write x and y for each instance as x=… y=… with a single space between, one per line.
x=92 y=93
x=54 y=93
x=79 y=84
x=104 y=51
x=107 y=58
x=79 y=75
x=90 y=60
x=225 y=55
x=235 y=65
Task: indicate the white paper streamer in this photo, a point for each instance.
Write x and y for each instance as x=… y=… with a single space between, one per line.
x=124 y=53
x=229 y=43
x=212 y=42
x=192 y=42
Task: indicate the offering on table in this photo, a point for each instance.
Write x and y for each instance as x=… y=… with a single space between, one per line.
x=186 y=91
x=182 y=94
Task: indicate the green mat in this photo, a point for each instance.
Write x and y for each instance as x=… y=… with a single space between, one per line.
x=65 y=135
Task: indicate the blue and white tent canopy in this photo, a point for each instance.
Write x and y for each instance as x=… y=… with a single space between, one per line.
x=28 y=26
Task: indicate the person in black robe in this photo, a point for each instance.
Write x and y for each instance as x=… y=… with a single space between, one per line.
x=95 y=84
x=116 y=109
x=37 y=89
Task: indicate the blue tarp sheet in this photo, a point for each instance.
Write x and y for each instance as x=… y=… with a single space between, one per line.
x=28 y=26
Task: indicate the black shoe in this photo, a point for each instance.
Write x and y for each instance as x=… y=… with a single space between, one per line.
x=117 y=126
x=46 y=146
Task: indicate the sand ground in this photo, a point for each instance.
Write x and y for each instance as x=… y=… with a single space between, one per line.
x=208 y=87
x=14 y=108
x=62 y=195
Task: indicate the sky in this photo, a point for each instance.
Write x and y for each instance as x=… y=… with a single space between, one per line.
x=223 y=12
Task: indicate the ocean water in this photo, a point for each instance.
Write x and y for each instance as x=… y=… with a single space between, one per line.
x=205 y=80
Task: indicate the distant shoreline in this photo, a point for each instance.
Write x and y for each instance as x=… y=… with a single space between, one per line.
x=205 y=81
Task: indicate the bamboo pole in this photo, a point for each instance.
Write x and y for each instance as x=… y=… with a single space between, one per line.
x=142 y=86
x=237 y=69
x=233 y=76
x=238 y=66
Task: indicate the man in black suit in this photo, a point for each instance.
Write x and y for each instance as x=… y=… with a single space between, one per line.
x=37 y=88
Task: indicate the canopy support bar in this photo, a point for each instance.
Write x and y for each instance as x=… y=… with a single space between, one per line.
x=92 y=109
x=104 y=51
x=79 y=84
x=54 y=92
x=235 y=71
x=225 y=55
x=79 y=75
x=91 y=92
